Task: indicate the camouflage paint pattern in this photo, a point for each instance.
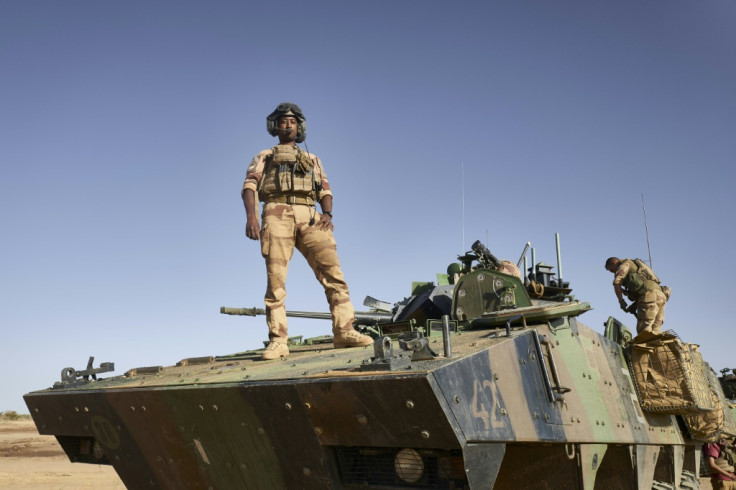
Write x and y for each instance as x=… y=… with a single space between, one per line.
x=237 y=422
x=532 y=398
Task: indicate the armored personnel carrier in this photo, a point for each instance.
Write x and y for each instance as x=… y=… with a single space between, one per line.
x=486 y=379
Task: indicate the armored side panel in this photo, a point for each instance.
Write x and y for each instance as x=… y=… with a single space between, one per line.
x=484 y=291
x=527 y=407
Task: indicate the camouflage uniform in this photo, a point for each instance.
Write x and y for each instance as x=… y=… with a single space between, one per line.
x=286 y=225
x=646 y=293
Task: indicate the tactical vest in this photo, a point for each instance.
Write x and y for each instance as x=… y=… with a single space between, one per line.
x=288 y=172
x=725 y=460
x=639 y=280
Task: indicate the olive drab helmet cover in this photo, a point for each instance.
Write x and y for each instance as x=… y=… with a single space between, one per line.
x=287 y=109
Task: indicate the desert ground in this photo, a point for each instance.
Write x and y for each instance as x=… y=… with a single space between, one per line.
x=29 y=460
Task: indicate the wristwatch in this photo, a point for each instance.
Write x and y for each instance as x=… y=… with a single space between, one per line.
x=328 y=213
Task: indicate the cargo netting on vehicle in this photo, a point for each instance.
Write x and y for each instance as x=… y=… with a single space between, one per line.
x=729 y=423
x=708 y=426
x=670 y=376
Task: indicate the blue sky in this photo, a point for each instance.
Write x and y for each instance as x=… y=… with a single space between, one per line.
x=126 y=129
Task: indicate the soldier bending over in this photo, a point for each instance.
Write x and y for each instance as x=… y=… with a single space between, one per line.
x=642 y=287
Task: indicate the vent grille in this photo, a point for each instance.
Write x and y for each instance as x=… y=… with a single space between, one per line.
x=401 y=468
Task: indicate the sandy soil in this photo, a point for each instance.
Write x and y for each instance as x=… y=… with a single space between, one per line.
x=32 y=461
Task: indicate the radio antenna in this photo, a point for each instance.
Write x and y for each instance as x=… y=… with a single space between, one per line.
x=646 y=228
x=462 y=194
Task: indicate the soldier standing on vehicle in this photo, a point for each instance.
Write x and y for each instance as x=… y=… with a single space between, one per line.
x=289 y=181
x=642 y=287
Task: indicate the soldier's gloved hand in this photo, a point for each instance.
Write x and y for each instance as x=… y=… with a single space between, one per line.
x=622 y=304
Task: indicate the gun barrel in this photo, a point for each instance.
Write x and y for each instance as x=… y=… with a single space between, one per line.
x=361 y=317
x=372 y=317
x=226 y=310
x=320 y=315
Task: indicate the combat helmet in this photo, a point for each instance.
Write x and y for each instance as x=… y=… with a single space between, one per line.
x=287 y=109
x=454 y=271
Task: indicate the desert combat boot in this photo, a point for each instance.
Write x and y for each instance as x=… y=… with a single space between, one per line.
x=275 y=350
x=351 y=338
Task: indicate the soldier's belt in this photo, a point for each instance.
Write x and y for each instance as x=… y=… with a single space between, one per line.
x=305 y=200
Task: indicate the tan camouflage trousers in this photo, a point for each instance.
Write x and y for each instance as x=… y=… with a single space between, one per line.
x=650 y=311
x=284 y=227
x=722 y=484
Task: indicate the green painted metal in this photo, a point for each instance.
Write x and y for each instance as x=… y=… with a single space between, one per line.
x=529 y=398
